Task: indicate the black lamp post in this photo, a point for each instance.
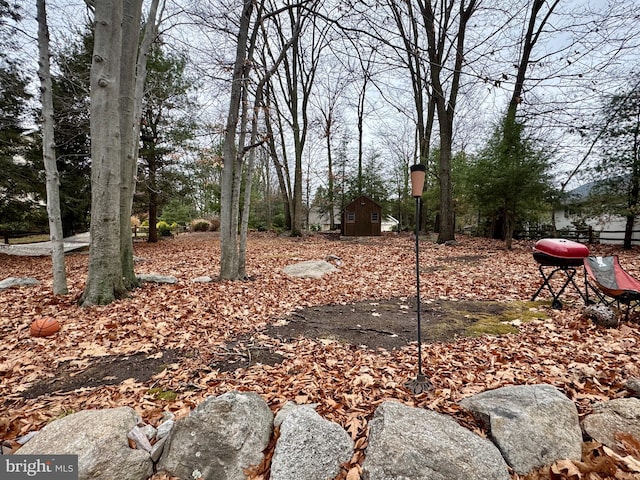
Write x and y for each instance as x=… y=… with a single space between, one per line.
x=421 y=383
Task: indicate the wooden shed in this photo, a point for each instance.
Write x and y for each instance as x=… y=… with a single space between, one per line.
x=362 y=218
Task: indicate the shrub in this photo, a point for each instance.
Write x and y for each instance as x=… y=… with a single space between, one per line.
x=215 y=224
x=164 y=229
x=200 y=225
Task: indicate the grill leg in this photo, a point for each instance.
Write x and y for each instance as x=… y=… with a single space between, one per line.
x=570 y=274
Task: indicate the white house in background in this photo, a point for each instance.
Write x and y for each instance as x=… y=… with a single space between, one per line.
x=389 y=224
x=608 y=228
x=320 y=221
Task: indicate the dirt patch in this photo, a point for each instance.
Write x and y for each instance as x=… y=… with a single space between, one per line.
x=108 y=370
x=387 y=324
x=243 y=353
x=391 y=324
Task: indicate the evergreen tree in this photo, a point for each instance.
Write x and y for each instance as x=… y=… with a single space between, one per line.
x=21 y=185
x=73 y=143
x=166 y=128
x=373 y=182
x=509 y=180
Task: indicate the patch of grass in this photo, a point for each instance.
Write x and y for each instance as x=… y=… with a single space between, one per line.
x=495 y=318
x=30 y=239
x=160 y=394
x=64 y=413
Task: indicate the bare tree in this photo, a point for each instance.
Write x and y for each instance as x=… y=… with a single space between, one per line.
x=132 y=88
x=334 y=83
x=292 y=86
x=232 y=159
x=410 y=33
x=446 y=33
x=49 y=154
x=241 y=131
x=104 y=280
x=114 y=146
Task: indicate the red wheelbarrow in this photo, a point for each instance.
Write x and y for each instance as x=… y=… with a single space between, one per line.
x=557 y=256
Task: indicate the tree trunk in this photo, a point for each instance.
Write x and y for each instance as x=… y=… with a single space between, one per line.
x=331 y=186
x=282 y=171
x=298 y=146
x=296 y=222
x=153 y=196
x=509 y=226
x=150 y=32
x=104 y=279
x=634 y=191
x=49 y=154
x=128 y=134
x=628 y=232
x=446 y=230
x=230 y=175
x=445 y=105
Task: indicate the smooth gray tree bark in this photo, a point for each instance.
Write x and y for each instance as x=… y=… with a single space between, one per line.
x=118 y=72
x=232 y=161
x=129 y=134
x=49 y=155
x=104 y=279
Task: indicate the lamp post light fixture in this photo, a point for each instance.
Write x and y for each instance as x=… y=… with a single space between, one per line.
x=421 y=383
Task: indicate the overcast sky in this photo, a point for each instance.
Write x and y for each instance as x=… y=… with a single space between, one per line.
x=481 y=106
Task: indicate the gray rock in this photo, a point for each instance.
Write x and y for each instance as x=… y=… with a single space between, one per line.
x=138 y=436
x=309 y=447
x=25 y=438
x=18 y=282
x=287 y=408
x=219 y=438
x=205 y=279
x=164 y=429
x=601 y=315
x=417 y=444
x=309 y=269
x=154 y=278
x=609 y=418
x=633 y=385
x=532 y=425
x=158 y=448
x=166 y=416
x=99 y=438
x=148 y=431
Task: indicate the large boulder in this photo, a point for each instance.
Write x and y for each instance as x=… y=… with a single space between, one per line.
x=633 y=385
x=309 y=269
x=621 y=415
x=219 y=438
x=99 y=438
x=309 y=447
x=11 y=282
x=418 y=444
x=532 y=425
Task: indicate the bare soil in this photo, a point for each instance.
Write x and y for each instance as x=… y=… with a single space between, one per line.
x=388 y=324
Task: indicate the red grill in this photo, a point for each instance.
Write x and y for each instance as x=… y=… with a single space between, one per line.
x=558 y=256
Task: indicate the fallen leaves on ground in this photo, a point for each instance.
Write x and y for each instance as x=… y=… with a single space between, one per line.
x=588 y=363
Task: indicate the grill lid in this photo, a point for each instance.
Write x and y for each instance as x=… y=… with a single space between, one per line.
x=561 y=248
